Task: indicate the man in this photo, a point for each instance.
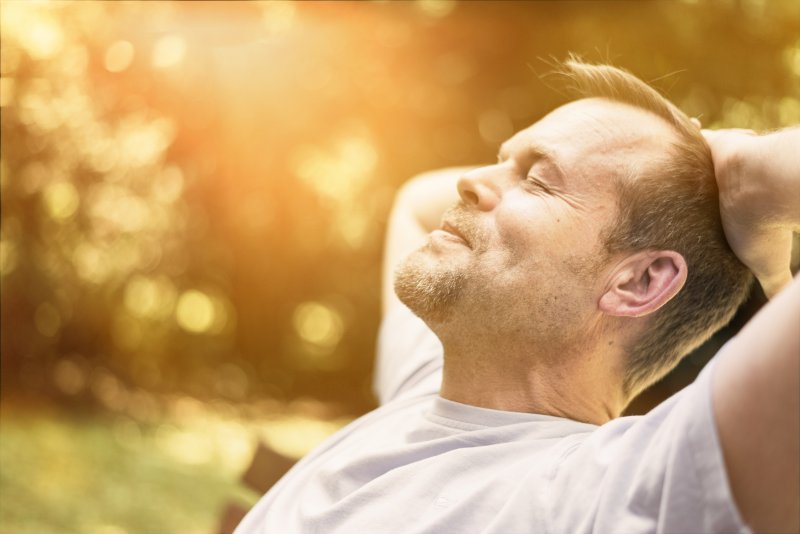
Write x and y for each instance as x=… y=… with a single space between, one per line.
x=565 y=279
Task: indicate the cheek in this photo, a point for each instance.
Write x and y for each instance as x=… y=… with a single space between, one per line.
x=539 y=226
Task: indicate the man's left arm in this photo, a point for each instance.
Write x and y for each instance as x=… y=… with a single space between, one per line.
x=756 y=386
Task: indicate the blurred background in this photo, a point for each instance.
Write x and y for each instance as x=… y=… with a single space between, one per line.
x=194 y=197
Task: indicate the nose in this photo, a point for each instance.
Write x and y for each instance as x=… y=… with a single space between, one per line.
x=477 y=190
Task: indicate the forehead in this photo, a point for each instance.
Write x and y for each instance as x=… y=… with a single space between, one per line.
x=594 y=136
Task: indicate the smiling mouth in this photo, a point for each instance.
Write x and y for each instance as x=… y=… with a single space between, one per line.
x=453 y=231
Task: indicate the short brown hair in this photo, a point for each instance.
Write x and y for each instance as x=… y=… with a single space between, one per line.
x=671 y=206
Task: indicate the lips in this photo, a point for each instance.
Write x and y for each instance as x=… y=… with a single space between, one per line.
x=450 y=229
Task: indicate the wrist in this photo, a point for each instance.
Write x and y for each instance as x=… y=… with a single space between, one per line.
x=772 y=162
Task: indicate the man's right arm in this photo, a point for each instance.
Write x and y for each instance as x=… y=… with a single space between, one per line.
x=756 y=387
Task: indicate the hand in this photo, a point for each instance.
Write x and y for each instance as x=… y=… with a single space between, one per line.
x=759 y=199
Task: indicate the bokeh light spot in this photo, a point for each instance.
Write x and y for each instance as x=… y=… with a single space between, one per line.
x=168 y=51
x=43 y=38
x=295 y=436
x=69 y=377
x=119 y=56
x=341 y=173
x=141 y=296
x=318 y=324
x=61 y=200
x=353 y=226
x=89 y=263
x=223 y=314
x=495 y=126
x=436 y=8
x=149 y=298
x=195 y=311
x=791 y=57
x=108 y=390
x=116 y=206
x=143 y=144
x=184 y=446
x=8 y=256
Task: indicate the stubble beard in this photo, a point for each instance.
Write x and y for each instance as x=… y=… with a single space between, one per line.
x=431 y=283
x=431 y=292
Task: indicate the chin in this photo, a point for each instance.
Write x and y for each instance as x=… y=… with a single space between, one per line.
x=430 y=287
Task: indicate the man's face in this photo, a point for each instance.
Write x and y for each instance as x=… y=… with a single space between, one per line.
x=521 y=253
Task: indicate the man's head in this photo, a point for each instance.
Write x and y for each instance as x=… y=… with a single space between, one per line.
x=599 y=221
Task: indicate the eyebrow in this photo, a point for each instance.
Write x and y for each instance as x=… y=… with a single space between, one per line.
x=534 y=153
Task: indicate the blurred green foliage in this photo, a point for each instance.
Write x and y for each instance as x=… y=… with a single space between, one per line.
x=194 y=194
x=64 y=471
x=83 y=475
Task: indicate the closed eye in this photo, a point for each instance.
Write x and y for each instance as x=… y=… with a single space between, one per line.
x=532 y=181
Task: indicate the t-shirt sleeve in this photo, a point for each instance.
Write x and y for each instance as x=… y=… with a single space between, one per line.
x=409 y=357
x=659 y=473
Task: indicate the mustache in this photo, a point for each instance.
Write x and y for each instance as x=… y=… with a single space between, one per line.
x=464 y=221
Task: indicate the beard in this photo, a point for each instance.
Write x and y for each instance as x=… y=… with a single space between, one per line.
x=431 y=284
x=431 y=292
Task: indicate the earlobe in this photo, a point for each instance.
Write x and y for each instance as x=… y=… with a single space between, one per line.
x=643 y=283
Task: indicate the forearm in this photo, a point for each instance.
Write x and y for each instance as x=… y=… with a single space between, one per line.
x=775 y=157
x=778 y=153
x=756 y=392
x=759 y=185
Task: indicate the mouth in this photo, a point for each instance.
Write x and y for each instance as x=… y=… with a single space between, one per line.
x=453 y=231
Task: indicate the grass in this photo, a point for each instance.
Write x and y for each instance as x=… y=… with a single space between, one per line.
x=64 y=473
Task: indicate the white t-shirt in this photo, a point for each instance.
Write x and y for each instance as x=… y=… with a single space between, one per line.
x=423 y=464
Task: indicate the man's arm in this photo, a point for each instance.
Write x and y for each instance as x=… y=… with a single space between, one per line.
x=756 y=388
x=417 y=210
x=759 y=196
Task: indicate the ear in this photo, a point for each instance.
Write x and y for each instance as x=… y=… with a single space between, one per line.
x=643 y=283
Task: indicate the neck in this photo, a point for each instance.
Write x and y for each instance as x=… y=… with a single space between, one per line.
x=572 y=382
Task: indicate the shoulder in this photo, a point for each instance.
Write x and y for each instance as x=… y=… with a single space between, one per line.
x=662 y=472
